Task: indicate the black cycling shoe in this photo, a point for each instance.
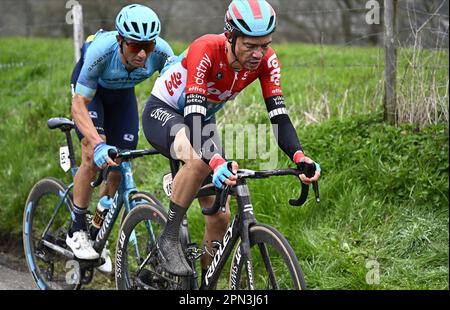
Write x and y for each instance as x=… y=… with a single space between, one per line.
x=172 y=258
x=145 y=276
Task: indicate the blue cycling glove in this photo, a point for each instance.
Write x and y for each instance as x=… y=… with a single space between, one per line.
x=101 y=153
x=221 y=173
x=299 y=160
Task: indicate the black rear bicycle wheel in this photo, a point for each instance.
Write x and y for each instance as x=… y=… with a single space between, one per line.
x=50 y=268
x=137 y=237
x=275 y=266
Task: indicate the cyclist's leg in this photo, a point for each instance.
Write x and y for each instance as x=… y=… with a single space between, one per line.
x=87 y=171
x=82 y=190
x=215 y=228
x=77 y=238
x=215 y=225
x=164 y=129
x=121 y=128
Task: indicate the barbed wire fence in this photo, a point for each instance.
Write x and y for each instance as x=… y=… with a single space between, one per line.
x=419 y=80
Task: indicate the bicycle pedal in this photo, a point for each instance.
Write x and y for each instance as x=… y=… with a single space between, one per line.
x=87 y=263
x=86 y=275
x=159 y=280
x=193 y=251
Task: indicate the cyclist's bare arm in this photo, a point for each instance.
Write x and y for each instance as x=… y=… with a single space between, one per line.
x=84 y=123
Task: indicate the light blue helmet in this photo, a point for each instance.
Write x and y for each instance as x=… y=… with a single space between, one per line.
x=138 y=22
x=255 y=18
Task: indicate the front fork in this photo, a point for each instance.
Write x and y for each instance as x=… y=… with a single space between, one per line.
x=245 y=209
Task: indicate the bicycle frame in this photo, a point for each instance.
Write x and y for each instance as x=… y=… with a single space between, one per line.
x=126 y=188
x=238 y=228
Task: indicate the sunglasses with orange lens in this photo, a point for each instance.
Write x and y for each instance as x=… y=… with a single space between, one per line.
x=136 y=47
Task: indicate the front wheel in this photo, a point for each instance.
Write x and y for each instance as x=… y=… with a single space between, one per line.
x=275 y=266
x=137 y=238
x=46 y=220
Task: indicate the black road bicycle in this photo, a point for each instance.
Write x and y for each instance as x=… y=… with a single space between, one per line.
x=47 y=218
x=261 y=256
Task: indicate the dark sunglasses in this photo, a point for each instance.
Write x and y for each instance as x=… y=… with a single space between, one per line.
x=136 y=47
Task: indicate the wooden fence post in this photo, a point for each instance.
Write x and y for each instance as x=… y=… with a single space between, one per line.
x=78 y=33
x=390 y=59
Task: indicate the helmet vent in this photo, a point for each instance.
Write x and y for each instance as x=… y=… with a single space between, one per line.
x=135 y=37
x=145 y=27
x=126 y=27
x=135 y=27
x=244 y=24
x=153 y=27
x=270 y=22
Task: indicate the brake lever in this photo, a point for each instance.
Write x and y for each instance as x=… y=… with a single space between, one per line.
x=219 y=202
x=112 y=153
x=316 y=191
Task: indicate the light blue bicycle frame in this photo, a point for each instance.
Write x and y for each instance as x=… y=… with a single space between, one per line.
x=126 y=189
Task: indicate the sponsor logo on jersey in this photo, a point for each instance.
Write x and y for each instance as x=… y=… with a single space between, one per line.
x=275 y=73
x=196 y=89
x=223 y=96
x=279 y=100
x=174 y=82
x=162 y=115
x=202 y=67
x=276 y=91
x=99 y=60
x=244 y=77
x=128 y=137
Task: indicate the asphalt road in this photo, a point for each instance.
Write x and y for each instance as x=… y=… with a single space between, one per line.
x=11 y=279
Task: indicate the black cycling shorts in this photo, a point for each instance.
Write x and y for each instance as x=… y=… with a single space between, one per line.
x=161 y=123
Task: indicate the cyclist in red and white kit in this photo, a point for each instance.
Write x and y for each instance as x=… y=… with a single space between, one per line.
x=213 y=70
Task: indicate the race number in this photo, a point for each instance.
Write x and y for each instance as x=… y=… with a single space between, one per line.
x=167 y=184
x=64 y=160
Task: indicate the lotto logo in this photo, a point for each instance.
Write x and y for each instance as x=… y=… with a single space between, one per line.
x=275 y=74
x=174 y=82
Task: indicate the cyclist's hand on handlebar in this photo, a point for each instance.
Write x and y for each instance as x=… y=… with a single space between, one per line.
x=311 y=169
x=226 y=173
x=309 y=165
x=101 y=157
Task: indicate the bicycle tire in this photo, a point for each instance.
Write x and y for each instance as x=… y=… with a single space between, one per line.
x=138 y=198
x=145 y=196
x=151 y=214
x=43 y=261
x=264 y=236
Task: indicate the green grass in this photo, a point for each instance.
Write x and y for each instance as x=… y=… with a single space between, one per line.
x=384 y=189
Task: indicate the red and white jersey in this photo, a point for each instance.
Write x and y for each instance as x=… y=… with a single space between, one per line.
x=204 y=69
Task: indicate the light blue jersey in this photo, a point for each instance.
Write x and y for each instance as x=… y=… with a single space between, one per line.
x=102 y=65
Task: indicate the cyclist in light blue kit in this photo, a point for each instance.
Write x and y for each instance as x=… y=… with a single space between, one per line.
x=104 y=106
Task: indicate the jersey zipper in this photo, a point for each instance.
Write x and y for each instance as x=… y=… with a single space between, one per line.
x=236 y=74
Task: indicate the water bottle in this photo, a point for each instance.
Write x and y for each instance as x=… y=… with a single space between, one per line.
x=103 y=207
